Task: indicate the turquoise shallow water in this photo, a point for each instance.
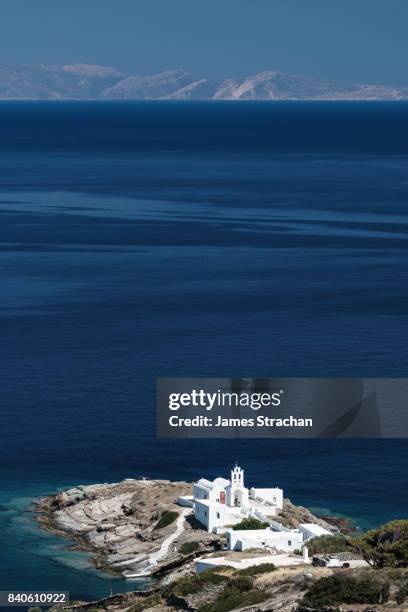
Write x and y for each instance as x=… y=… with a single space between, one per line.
x=33 y=557
x=146 y=240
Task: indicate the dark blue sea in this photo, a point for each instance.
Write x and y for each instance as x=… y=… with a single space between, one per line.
x=140 y=240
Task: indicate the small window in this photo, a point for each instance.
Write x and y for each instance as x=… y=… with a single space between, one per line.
x=289 y=542
x=205 y=512
x=218 y=515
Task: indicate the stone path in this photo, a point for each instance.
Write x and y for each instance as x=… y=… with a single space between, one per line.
x=155 y=557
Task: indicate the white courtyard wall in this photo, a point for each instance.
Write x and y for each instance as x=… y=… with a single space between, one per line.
x=262 y=538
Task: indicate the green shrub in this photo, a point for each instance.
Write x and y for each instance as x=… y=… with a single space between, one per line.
x=386 y=546
x=167 y=518
x=236 y=592
x=256 y=570
x=232 y=598
x=189 y=547
x=242 y=583
x=250 y=523
x=328 y=544
x=194 y=584
x=338 y=589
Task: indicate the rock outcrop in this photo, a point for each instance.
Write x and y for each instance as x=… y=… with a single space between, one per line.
x=134 y=526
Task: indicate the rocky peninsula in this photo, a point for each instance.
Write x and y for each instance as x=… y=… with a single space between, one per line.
x=136 y=528
x=133 y=527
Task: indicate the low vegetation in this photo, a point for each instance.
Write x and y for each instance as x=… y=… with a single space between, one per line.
x=232 y=598
x=167 y=518
x=250 y=523
x=189 y=547
x=194 y=584
x=225 y=589
x=343 y=589
x=237 y=593
x=328 y=544
x=257 y=570
x=230 y=590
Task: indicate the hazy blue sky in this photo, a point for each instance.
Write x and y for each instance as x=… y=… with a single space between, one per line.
x=362 y=40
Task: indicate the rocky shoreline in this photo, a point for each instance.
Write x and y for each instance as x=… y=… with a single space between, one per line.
x=135 y=528
x=125 y=525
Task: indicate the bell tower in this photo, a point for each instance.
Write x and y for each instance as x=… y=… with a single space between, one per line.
x=237 y=477
x=237 y=494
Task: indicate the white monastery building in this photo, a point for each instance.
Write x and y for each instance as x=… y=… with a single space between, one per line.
x=219 y=504
x=274 y=538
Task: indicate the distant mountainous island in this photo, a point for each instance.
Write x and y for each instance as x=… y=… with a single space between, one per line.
x=90 y=82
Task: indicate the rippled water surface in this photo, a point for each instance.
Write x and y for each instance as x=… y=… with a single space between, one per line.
x=160 y=239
